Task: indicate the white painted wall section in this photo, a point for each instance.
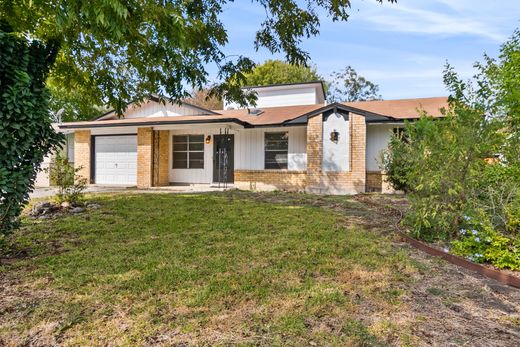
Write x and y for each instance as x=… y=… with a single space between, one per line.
x=336 y=154
x=288 y=95
x=378 y=137
x=70 y=147
x=43 y=175
x=204 y=175
x=249 y=148
x=248 y=152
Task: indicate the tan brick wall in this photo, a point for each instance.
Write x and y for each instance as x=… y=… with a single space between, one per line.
x=348 y=182
x=271 y=180
x=358 y=136
x=163 y=177
x=144 y=157
x=374 y=181
x=314 y=152
x=82 y=143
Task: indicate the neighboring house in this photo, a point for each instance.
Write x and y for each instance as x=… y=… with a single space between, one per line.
x=292 y=140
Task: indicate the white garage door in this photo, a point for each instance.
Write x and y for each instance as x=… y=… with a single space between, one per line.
x=116 y=160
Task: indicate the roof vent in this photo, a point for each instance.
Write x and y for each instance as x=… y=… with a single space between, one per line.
x=254 y=111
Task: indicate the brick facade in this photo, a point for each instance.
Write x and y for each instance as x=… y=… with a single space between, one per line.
x=144 y=157
x=271 y=180
x=374 y=181
x=82 y=150
x=162 y=153
x=314 y=153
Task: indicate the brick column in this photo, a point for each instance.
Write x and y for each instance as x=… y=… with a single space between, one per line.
x=358 y=145
x=163 y=176
x=144 y=157
x=314 y=152
x=82 y=151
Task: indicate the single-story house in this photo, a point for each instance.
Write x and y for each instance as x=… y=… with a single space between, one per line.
x=292 y=140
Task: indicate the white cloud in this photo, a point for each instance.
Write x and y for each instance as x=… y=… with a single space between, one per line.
x=447 y=18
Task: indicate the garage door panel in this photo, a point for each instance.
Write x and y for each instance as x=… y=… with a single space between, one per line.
x=116 y=160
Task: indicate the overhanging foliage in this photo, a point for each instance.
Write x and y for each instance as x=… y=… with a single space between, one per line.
x=26 y=134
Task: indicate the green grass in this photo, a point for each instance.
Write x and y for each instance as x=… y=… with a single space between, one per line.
x=213 y=269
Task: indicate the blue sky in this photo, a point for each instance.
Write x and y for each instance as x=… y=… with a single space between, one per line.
x=402 y=47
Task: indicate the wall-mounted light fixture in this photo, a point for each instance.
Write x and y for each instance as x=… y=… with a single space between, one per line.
x=334 y=136
x=208 y=139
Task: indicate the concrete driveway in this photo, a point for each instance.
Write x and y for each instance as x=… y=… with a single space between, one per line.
x=192 y=188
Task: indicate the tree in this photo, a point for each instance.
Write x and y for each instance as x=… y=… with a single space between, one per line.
x=277 y=71
x=347 y=86
x=120 y=52
x=203 y=99
x=75 y=104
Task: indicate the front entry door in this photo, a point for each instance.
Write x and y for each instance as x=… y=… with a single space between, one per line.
x=223 y=154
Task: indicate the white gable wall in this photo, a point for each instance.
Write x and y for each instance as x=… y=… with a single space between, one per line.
x=336 y=154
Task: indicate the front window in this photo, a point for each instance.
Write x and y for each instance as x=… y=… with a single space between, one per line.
x=188 y=151
x=276 y=148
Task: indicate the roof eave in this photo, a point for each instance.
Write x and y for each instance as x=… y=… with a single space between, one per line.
x=99 y=124
x=338 y=106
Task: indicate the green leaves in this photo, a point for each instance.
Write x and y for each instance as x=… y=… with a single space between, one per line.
x=115 y=52
x=26 y=134
x=277 y=71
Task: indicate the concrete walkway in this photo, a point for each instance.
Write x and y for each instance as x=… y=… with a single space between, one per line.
x=92 y=189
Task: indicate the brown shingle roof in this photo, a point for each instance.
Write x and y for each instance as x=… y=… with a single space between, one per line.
x=403 y=108
x=268 y=116
x=271 y=115
x=399 y=109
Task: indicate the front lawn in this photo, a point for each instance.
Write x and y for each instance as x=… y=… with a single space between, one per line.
x=218 y=269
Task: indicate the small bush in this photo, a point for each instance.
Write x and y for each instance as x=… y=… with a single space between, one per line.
x=396 y=163
x=481 y=244
x=498 y=193
x=71 y=186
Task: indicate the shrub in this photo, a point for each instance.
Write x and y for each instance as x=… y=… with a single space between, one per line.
x=26 y=134
x=467 y=164
x=513 y=216
x=499 y=195
x=396 y=162
x=70 y=185
x=480 y=243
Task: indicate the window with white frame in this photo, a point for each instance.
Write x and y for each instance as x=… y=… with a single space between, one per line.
x=276 y=150
x=188 y=151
